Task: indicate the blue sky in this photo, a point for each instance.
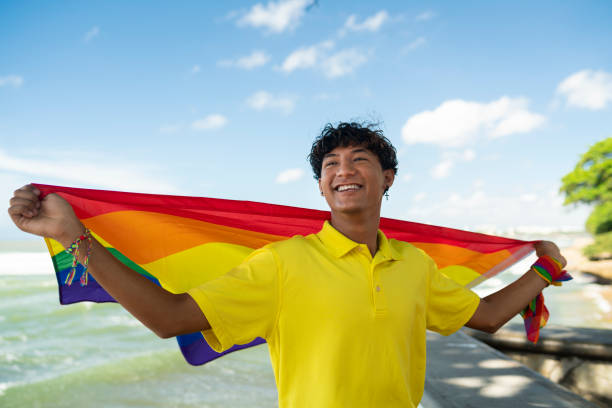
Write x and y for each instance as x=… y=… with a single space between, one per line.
x=488 y=104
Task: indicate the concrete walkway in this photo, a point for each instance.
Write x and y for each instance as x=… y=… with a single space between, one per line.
x=579 y=359
x=463 y=372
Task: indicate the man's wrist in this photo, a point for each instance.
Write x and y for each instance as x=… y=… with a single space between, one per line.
x=539 y=278
x=548 y=268
x=71 y=233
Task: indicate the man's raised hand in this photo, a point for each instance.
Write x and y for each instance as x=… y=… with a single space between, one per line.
x=551 y=249
x=51 y=217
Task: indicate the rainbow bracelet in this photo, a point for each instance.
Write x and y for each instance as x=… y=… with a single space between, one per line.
x=550 y=270
x=535 y=314
x=74 y=250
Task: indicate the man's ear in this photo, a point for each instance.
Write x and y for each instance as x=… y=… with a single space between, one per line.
x=389 y=176
x=320 y=189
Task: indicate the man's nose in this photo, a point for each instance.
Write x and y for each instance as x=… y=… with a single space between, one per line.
x=346 y=167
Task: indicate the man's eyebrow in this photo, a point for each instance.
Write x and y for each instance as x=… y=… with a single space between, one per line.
x=329 y=155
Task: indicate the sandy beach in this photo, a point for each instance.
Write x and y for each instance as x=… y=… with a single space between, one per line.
x=576 y=261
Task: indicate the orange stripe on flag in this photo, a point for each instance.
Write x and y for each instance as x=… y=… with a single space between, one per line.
x=145 y=237
x=446 y=255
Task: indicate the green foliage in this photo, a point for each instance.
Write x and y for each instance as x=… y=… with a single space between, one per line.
x=602 y=247
x=591 y=183
x=600 y=220
x=591 y=179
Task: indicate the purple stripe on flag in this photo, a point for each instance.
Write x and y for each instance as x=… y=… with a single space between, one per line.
x=199 y=352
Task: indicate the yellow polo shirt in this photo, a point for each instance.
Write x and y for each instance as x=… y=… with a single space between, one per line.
x=343 y=329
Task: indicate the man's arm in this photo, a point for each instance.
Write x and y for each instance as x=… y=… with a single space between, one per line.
x=499 y=307
x=163 y=312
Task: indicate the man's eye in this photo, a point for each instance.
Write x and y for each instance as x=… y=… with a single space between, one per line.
x=330 y=163
x=360 y=158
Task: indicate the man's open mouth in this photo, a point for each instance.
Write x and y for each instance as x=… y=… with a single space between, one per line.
x=348 y=187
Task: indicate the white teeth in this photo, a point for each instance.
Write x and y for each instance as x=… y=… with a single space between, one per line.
x=348 y=187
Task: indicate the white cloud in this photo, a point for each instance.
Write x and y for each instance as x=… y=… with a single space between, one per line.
x=453 y=205
x=263 y=100
x=540 y=209
x=425 y=16
x=11 y=80
x=419 y=42
x=372 y=23
x=319 y=57
x=442 y=169
x=116 y=175
x=289 y=175
x=305 y=57
x=468 y=155
x=301 y=59
x=254 y=60
x=407 y=177
x=276 y=17
x=458 y=122
x=587 y=89
x=449 y=159
x=342 y=63
x=195 y=69
x=210 y=122
x=519 y=121
x=91 y=34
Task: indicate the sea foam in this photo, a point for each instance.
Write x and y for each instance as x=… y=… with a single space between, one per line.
x=26 y=263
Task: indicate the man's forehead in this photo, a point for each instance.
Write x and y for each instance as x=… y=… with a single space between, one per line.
x=351 y=149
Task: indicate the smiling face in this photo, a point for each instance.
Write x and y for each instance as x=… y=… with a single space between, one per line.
x=353 y=181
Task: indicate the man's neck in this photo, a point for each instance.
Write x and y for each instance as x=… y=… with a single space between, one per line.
x=360 y=228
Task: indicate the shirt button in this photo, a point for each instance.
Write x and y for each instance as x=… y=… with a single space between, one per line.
x=377 y=288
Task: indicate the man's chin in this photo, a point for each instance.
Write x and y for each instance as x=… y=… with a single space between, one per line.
x=348 y=209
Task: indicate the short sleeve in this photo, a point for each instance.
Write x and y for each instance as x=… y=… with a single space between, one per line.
x=243 y=304
x=449 y=305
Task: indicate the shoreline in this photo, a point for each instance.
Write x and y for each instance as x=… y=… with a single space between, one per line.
x=576 y=261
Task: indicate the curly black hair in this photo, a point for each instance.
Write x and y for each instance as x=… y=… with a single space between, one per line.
x=346 y=134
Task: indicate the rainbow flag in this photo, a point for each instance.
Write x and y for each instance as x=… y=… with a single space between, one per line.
x=180 y=242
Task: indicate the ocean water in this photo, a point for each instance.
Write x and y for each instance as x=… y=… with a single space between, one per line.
x=97 y=355
x=108 y=359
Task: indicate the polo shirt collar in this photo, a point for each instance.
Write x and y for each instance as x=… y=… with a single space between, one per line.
x=339 y=245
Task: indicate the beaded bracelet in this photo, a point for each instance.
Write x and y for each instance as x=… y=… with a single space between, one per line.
x=535 y=314
x=74 y=250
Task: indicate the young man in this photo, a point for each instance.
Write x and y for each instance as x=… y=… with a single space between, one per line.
x=344 y=311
